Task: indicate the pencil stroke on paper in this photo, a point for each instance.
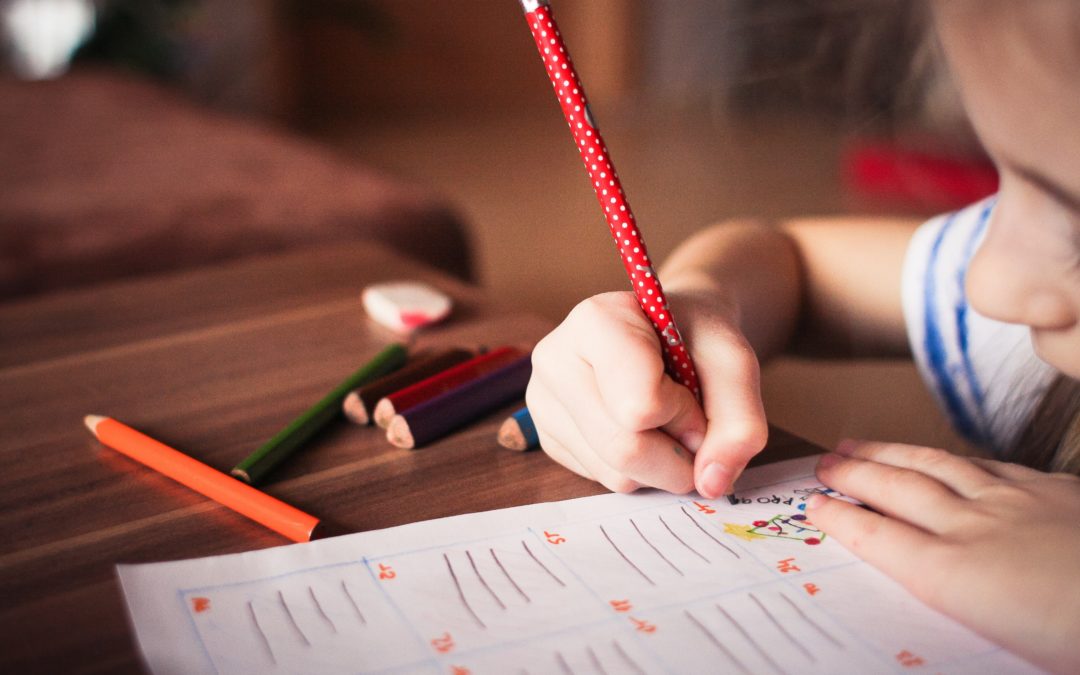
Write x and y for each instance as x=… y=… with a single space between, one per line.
x=461 y=593
x=653 y=547
x=681 y=541
x=709 y=534
x=483 y=581
x=509 y=578
x=624 y=557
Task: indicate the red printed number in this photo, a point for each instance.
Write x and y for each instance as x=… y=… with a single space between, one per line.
x=909 y=660
x=554 y=537
x=787 y=565
x=200 y=604
x=621 y=605
x=443 y=644
x=704 y=508
x=386 y=572
x=642 y=625
x=812 y=589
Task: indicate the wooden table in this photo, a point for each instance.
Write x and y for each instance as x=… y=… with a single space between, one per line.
x=214 y=362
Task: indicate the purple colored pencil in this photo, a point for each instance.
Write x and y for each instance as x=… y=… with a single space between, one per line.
x=439 y=416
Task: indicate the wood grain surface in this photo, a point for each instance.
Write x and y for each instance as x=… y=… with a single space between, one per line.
x=214 y=362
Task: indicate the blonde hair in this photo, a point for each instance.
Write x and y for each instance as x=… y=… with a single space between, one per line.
x=1051 y=439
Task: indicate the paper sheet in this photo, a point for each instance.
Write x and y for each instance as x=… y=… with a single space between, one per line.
x=641 y=583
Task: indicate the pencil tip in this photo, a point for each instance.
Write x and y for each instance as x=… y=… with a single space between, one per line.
x=354 y=408
x=91 y=422
x=384 y=412
x=509 y=435
x=399 y=434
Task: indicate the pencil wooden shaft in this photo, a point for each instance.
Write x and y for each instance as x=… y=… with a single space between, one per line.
x=418 y=369
x=435 y=418
x=244 y=499
x=259 y=463
x=609 y=192
x=451 y=378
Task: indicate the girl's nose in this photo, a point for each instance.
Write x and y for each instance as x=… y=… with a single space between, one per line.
x=1020 y=273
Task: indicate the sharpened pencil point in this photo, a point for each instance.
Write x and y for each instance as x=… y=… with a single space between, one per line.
x=91 y=422
x=384 y=412
x=354 y=409
x=510 y=436
x=399 y=434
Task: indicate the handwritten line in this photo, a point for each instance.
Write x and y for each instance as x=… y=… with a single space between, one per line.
x=259 y=630
x=623 y=555
x=461 y=593
x=292 y=619
x=596 y=661
x=563 y=664
x=483 y=582
x=679 y=539
x=716 y=641
x=780 y=627
x=754 y=643
x=320 y=610
x=707 y=533
x=542 y=565
x=352 y=601
x=653 y=547
x=626 y=657
x=811 y=621
x=507 y=575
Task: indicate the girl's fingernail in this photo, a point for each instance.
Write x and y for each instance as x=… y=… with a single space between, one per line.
x=815 y=501
x=715 y=480
x=829 y=459
x=847 y=446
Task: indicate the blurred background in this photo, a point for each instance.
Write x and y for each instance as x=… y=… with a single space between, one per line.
x=143 y=136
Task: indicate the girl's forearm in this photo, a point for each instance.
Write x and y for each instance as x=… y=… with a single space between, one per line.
x=830 y=286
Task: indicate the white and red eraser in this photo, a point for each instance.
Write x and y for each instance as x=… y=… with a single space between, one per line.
x=405 y=306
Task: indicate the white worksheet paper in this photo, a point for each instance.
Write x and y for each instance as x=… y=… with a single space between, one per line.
x=640 y=583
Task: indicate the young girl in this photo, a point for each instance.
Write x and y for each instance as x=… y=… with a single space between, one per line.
x=988 y=299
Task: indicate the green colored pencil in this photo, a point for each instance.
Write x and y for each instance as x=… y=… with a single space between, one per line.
x=261 y=462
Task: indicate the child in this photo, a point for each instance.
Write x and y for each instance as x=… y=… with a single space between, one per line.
x=989 y=301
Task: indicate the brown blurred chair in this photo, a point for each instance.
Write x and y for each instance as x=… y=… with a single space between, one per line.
x=104 y=176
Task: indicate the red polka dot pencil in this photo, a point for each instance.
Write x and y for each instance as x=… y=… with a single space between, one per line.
x=620 y=219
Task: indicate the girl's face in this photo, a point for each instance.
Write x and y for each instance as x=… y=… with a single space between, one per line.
x=1017 y=63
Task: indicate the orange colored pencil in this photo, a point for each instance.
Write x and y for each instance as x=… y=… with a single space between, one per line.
x=222 y=488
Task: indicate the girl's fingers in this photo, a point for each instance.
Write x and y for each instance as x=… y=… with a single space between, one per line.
x=960 y=474
x=908 y=495
x=563 y=442
x=1007 y=471
x=731 y=395
x=616 y=341
x=901 y=551
x=648 y=457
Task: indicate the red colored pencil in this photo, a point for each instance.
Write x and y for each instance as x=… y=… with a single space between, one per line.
x=620 y=219
x=440 y=383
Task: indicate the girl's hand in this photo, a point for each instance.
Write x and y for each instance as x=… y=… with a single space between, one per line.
x=994 y=545
x=605 y=409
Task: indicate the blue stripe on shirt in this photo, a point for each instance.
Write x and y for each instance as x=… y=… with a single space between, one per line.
x=962 y=306
x=934 y=343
